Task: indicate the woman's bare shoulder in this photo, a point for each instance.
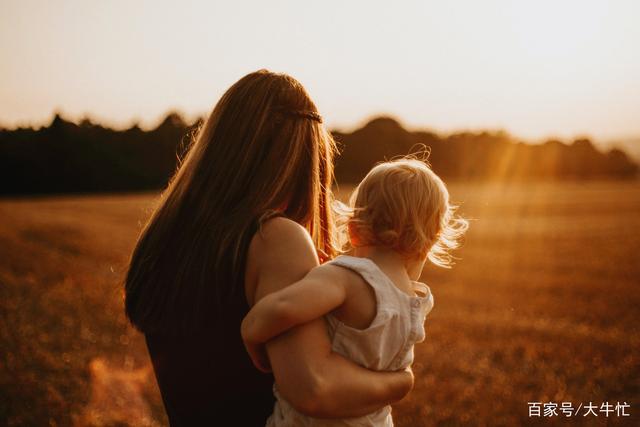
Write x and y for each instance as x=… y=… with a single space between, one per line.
x=280 y=253
x=281 y=233
x=280 y=225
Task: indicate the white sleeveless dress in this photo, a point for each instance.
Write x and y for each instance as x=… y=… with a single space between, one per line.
x=386 y=345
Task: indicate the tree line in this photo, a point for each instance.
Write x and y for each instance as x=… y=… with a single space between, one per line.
x=65 y=157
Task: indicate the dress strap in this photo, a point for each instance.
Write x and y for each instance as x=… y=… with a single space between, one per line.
x=365 y=268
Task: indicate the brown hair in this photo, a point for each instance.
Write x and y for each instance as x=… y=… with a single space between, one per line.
x=402 y=204
x=263 y=148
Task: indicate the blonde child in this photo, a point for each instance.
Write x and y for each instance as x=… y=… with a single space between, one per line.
x=399 y=216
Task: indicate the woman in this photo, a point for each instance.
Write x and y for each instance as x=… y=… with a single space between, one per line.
x=242 y=218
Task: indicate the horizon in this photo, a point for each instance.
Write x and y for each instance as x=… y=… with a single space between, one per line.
x=630 y=145
x=536 y=70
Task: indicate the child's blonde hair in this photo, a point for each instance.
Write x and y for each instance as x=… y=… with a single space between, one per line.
x=402 y=204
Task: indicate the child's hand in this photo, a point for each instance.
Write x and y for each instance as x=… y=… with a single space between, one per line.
x=255 y=348
x=258 y=355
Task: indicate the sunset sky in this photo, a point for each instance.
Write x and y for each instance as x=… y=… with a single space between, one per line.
x=535 y=68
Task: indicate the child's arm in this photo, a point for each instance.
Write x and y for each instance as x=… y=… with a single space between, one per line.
x=318 y=293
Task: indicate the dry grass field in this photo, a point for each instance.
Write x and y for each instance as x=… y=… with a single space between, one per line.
x=543 y=305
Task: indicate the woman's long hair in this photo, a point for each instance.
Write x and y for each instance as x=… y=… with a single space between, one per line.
x=262 y=148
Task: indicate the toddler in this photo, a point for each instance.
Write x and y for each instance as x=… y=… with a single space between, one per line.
x=398 y=217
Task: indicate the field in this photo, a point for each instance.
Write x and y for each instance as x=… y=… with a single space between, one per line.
x=542 y=306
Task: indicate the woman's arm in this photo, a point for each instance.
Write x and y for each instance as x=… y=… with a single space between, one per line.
x=309 y=375
x=320 y=292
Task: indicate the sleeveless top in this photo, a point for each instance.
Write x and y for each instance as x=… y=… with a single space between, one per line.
x=206 y=377
x=386 y=345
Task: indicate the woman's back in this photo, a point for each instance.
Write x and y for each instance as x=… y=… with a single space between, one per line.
x=207 y=377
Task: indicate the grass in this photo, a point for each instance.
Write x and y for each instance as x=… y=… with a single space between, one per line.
x=542 y=306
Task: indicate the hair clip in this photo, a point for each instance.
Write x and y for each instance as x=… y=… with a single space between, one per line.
x=304 y=114
x=311 y=115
